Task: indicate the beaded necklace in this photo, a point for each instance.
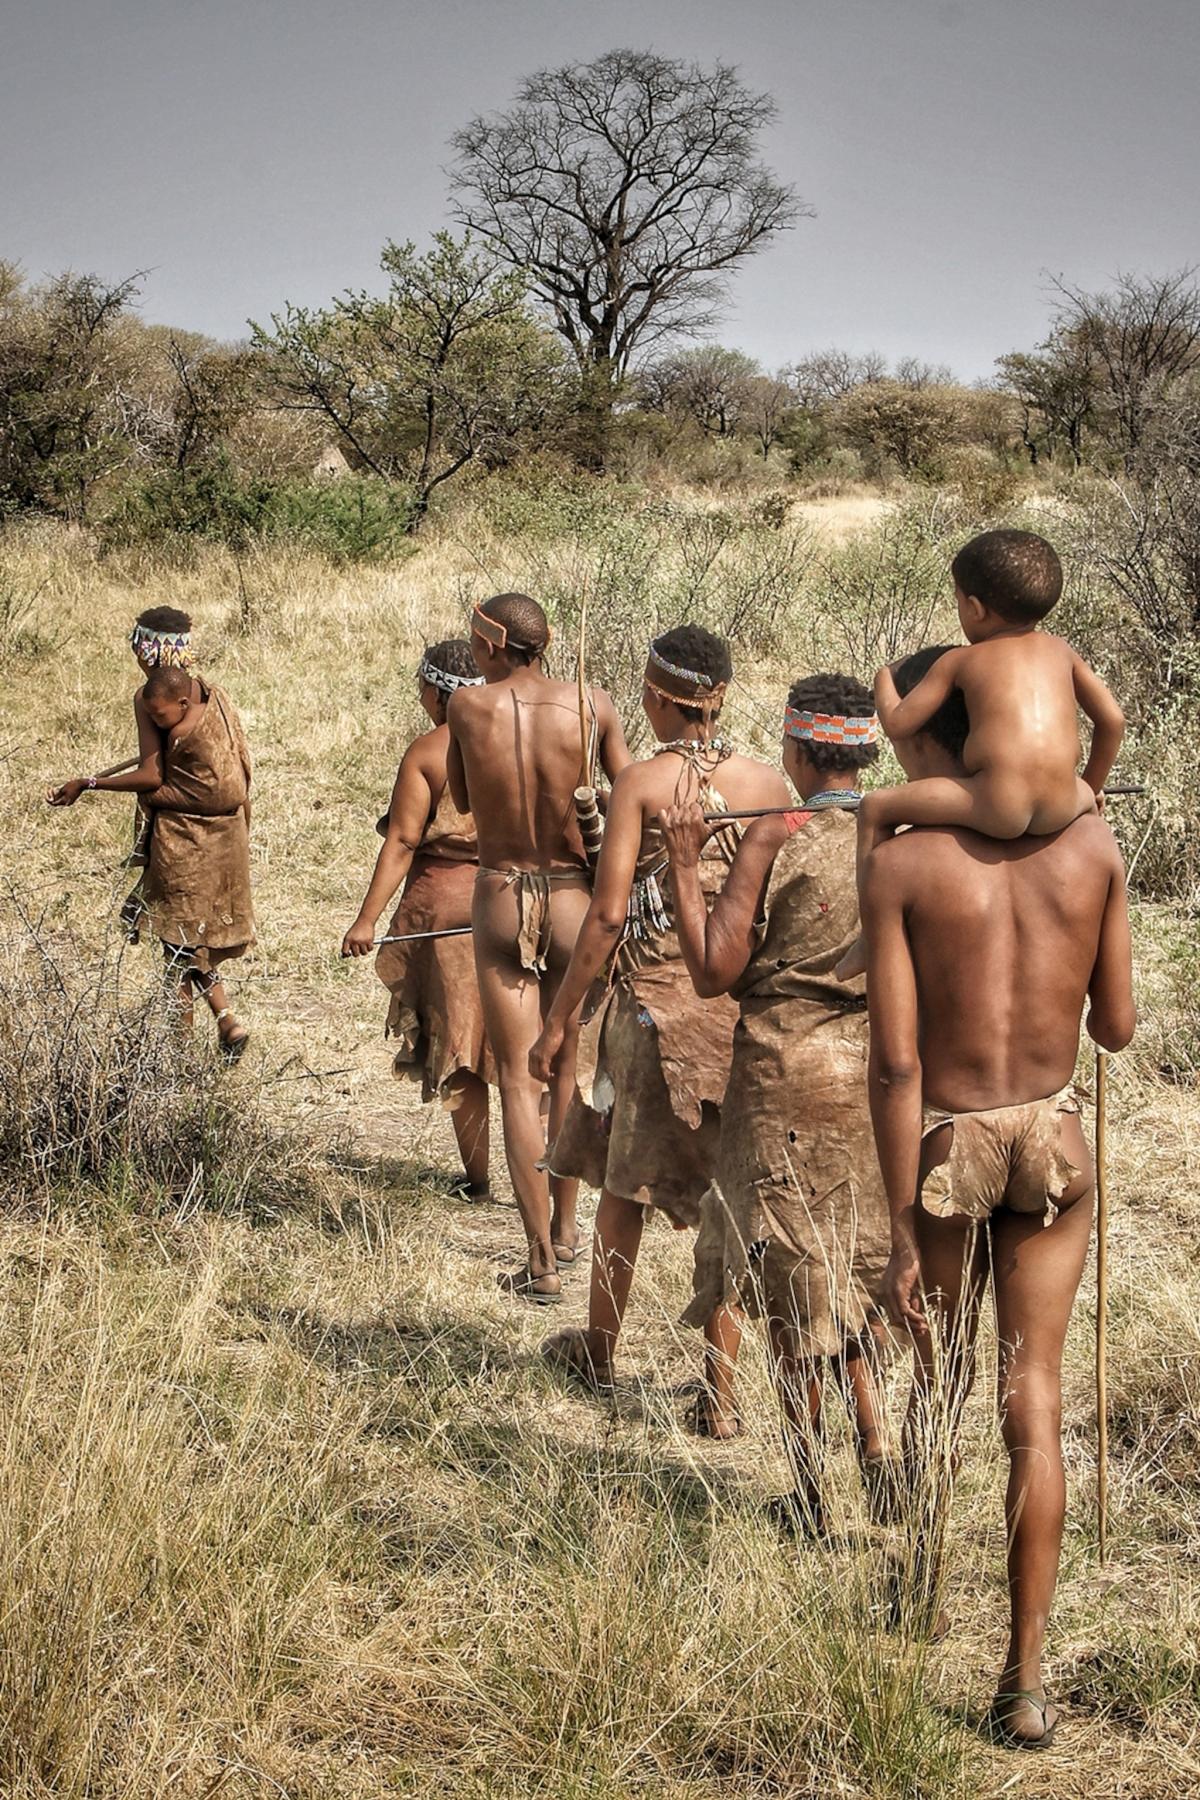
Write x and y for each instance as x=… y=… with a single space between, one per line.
x=847 y=797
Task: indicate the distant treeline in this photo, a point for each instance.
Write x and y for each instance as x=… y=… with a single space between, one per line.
x=602 y=219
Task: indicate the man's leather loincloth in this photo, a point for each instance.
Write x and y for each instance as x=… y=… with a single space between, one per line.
x=1011 y=1156
x=534 y=890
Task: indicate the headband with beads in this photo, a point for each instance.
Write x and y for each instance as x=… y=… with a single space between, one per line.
x=682 y=686
x=441 y=678
x=162 y=649
x=829 y=728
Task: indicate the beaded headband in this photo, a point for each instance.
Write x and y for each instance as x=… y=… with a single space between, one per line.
x=683 y=686
x=162 y=649
x=441 y=678
x=829 y=728
x=495 y=633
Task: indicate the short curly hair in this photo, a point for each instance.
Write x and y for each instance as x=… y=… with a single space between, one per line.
x=949 y=725
x=848 y=699
x=1016 y=574
x=523 y=620
x=453 y=657
x=703 y=653
x=165 y=618
x=168 y=684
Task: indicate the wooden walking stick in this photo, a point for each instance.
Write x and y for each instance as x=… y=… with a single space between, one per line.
x=1102 y=1304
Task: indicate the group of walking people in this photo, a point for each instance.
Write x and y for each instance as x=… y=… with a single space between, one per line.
x=684 y=1023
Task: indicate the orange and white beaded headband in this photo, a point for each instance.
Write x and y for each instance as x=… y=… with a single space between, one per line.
x=829 y=728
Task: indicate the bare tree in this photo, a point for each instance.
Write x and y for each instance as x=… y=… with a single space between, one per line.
x=827 y=375
x=1141 y=334
x=1056 y=387
x=628 y=188
x=767 y=401
x=707 y=384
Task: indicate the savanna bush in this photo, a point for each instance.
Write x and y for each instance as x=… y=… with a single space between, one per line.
x=359 y=518
x=101 y=1094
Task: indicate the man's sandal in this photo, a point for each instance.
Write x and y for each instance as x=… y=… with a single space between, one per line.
x=565 y=1255
x=999 y=1729
x=232 y=1049
x=568 y=1355
x=475 y=1193
x=522 y=1284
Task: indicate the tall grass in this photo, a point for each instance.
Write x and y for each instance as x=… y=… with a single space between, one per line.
x=288 y=1503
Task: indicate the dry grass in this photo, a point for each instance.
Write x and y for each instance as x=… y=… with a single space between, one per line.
x=288 y=1503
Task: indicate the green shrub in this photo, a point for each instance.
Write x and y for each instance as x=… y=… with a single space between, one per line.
x=360 y=518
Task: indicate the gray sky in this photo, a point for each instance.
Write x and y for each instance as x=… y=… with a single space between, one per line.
x=252 y=151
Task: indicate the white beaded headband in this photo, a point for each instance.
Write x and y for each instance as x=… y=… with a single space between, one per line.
x=441 y=678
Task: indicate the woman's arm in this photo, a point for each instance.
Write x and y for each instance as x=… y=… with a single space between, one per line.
x=456 y=774
x=604 y=920
x=1108 y=723
x=141 y=779
x=413 y=799
x=717 y=945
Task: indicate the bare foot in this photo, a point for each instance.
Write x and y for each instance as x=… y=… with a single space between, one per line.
x=569 y=1354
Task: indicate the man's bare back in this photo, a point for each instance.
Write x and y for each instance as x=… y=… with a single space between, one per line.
x=1004 y=941
x=518 y=754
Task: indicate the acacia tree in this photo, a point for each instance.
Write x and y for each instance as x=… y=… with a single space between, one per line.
x=707 y=384
x=1056 y=386
x=62 y=370
x=1140 y=335
x=448 y=367
x=629 y=189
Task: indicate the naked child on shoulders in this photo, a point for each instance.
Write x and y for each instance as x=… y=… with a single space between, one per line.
x=514 y=762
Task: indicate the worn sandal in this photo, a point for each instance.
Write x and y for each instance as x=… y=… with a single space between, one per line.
x=521 y=1284
x=699 y=1421
x=1001 y=1732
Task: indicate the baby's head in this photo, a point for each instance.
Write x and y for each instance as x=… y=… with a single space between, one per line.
x=167 y=696
x=1005 y=578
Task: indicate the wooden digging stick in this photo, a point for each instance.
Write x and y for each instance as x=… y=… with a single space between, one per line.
x=1102 y=1304
x=416 y=937
x=119 y=768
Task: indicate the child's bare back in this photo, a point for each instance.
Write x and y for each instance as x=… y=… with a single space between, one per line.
x=1023 y=689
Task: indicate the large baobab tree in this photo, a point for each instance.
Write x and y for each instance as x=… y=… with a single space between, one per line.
x=627 y=189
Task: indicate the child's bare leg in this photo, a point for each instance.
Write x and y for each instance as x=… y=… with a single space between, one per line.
x=986 y=803
x=230 y=1030
x=469 y=1117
